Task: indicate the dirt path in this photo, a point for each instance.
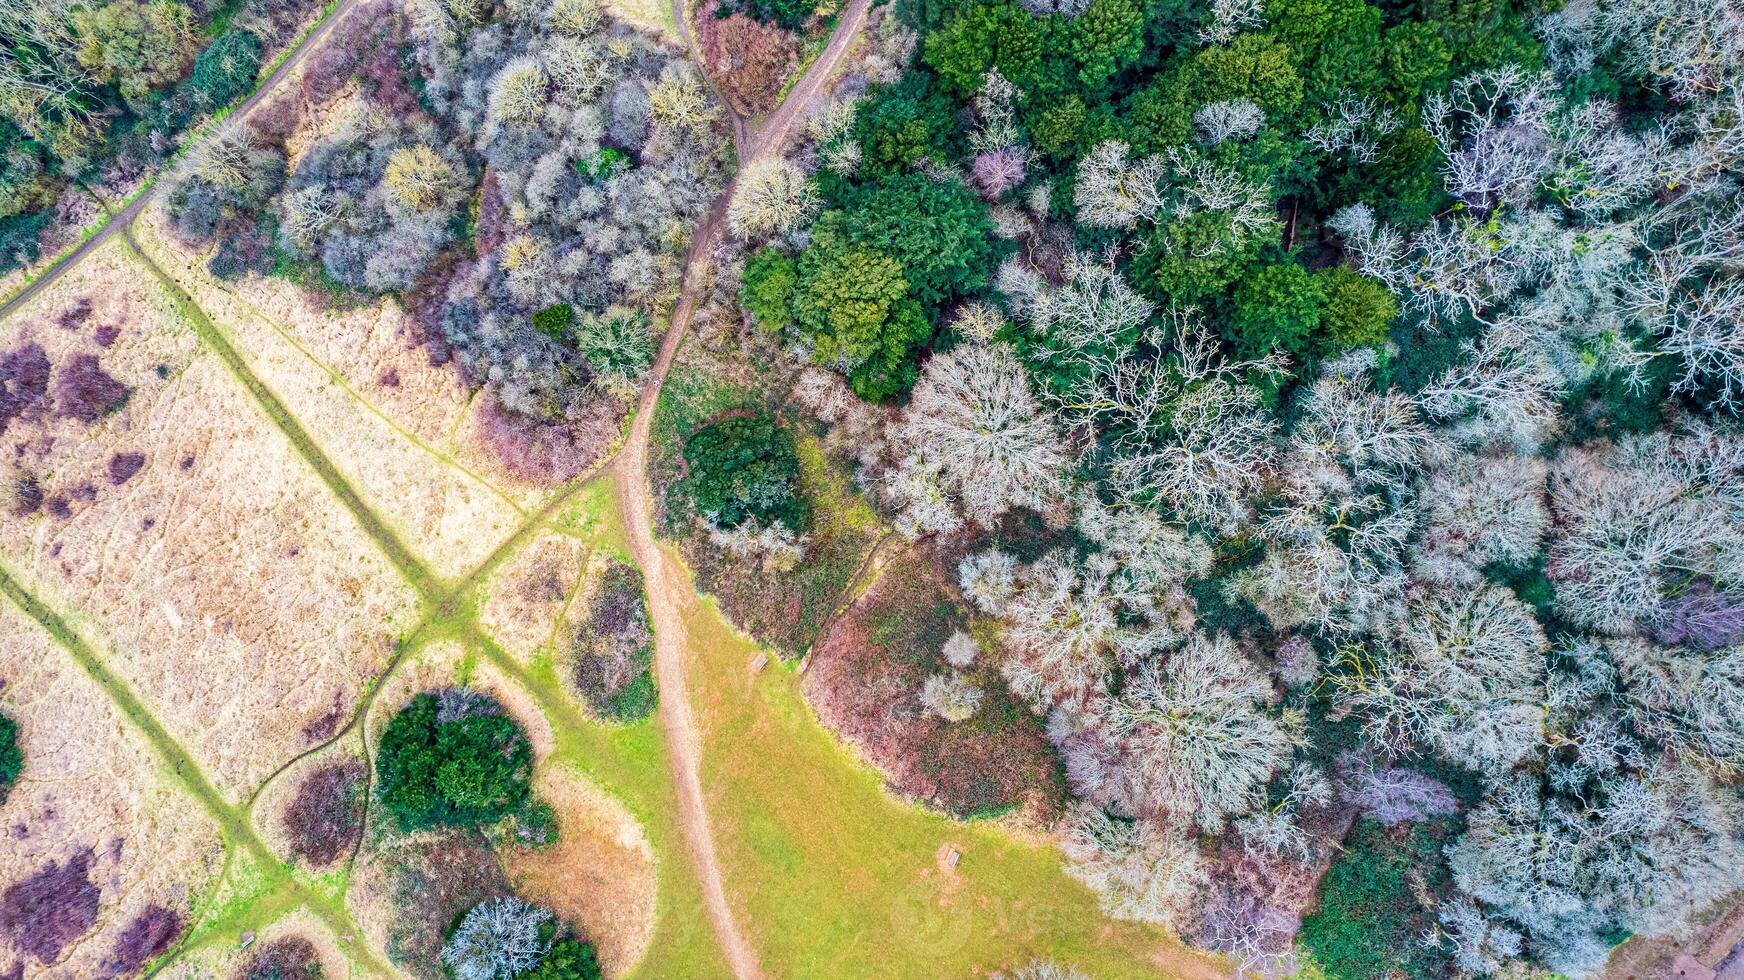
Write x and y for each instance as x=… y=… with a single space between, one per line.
x=124 y=218
x=668 y=592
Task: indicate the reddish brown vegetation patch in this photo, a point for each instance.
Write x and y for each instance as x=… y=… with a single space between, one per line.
x=322 y=726
x=123 y=467
x=86 y=392
x=865 y=680
x=532 y=450
x=150 y=933
x=74 y=316
x=289 y=958
x=363 y=46
x=24 y=374
x=750 y=61
x=277 y=118
x=25 y=494
x=325 y=817
x=434 y=882
x=49 y=910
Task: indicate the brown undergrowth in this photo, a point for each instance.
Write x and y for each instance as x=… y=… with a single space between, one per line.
x=865 y=682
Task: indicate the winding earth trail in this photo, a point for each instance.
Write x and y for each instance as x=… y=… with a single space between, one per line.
x=123 y=219
x=667 y=590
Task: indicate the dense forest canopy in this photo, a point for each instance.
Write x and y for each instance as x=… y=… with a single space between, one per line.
x=92 y=94
x=1375 y=367
x=1324 y=411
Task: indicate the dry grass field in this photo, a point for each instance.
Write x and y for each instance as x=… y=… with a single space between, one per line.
x=598 y=876
x=235 y=593
x=98 y=833
x=419 y=490
x=528 y=598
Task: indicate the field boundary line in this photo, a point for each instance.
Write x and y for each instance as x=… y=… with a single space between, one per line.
x=345 y=385
x=410 y=567
x=234 y=826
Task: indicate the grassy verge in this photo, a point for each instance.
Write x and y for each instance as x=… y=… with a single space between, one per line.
x=834 y=877
x=410 y=567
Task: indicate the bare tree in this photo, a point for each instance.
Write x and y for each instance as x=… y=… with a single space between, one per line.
x=1229 y=18
x=1491 y=127
x=988 y=578
x=1200 y=745
x=1502 y=394
x=1044 y=969
x=1231 y=119
x=1634 y=851
x=974 y=422
x=1464 y=678
x=772 y=196
x=1481 y=511
x=1140 y=870
x=951 y=697
x=1686 y=700
x=1191 y=431
x=1637 y=524
x=496 y=940
x=1353 y=127
x=1477 y=943
x=1391 y=794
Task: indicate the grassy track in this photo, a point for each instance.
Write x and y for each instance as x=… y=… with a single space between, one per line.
x=415 y=572
x=233 y=823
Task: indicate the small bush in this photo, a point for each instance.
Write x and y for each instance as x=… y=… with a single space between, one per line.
x=603 y=163
x=741 y=469
x=614 y=648
x=1276 y=308
x=86 y=392
x=48 y=911
x=569 y=959
x=290 y=958
x=459 y=764
x=124 y=467
x=149 y=935
x=1358 y=309
x=326 y=815
x=24 y=373
x=225 y=71
x=11 y=756
x=768 y=288
x=553 y=321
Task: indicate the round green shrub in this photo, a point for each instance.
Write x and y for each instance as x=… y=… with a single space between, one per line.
x=767 y=293
x=452 y=765
x=1277 y=307
x=741 y=469
x=1358 y=309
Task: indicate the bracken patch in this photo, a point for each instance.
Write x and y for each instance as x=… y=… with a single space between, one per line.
x=150 y=933
x=325 y=817
x=48 y=911
x=288 y=958
x=86 y=392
